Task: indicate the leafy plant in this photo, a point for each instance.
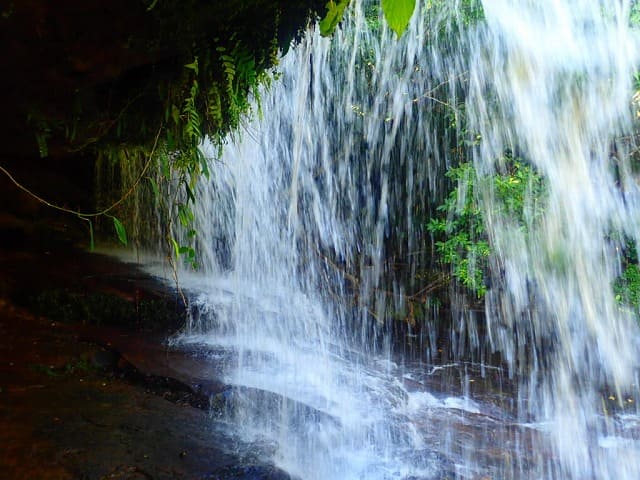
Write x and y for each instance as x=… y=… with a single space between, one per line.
x=398 y=13
x=194 y=83
x=462 y=241
x=627 y=286
x=334 y=14
x=634 y=14
x=463 y=244
x=120 y=230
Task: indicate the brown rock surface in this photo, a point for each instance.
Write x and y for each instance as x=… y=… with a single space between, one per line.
x=80 y=401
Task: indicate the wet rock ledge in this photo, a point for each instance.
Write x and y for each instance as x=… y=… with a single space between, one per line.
x=88 y=388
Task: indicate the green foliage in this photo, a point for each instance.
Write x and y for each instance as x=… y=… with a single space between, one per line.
x=335 y=11
x=209 y=98
x=241 y=80
x=460 y=230
x=190 y=80
x=120 y=230
x=373 y=17
x=627 y=287
x=180 y=204
x=634 y=14
x=398 y=13
x=470 y=12
x=194 y=112
x=520 y=192
x=454 y=16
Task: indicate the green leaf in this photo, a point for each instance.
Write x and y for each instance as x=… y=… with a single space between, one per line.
x=154 y=187
x=335 y=11
x=204 y=165
x=190 y=196
x=176 y=247
x=398 y=13
x=120 y=230
x=193 y=66
x=165 y=168
x=185 y=215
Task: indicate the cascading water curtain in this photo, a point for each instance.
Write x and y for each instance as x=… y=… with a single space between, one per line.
x=550 y=82
x=294 y=226
x=311 y=211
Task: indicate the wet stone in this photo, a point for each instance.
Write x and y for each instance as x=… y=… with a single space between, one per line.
x=252 y=472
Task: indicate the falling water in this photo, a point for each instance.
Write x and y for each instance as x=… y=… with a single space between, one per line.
x=311 y=234
x=552 y=82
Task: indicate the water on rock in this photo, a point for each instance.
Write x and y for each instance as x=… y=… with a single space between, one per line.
x=312 y=206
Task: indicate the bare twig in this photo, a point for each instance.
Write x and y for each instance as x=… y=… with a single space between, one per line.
x=418 y=296
x=85 y=215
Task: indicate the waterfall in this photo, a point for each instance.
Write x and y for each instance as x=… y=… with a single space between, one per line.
x=553 y=82
x=311 y=235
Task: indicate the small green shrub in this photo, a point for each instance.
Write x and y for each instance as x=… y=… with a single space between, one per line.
x=460 y=230
x=627 y=286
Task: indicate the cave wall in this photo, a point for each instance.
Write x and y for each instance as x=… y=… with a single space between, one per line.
x=73 y=69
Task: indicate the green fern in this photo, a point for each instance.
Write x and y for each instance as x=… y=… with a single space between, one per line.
x=214 y=106
x=192 y=129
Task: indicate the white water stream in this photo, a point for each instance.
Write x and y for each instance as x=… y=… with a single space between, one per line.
x=296 y=220
x=552 y=81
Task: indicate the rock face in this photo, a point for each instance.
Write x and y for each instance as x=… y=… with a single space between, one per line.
x=81 y=400
x=72 y=69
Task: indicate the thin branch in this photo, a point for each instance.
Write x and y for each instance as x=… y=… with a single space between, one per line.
x=429 y=95
x=92 y=214
x=419 y=295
